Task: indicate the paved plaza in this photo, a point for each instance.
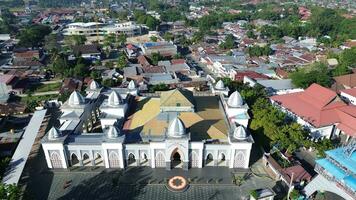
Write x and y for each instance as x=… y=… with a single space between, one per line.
x=146 y=183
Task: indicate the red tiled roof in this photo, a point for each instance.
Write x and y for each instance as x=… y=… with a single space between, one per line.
x=281 y=73
x=143 y=61
x=5 y=78
x=348 y=80
x=27 y=54
x=177 y=61
x=130 y=46
x=153 y=69
x=240 y=75
x=299 y=174
x=319 y=106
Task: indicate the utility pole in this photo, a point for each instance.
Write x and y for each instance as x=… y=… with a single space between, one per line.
x=290 y=185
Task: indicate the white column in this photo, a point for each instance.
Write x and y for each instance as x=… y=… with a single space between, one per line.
x=121 y=157
x=200 y=157
x=232 y=156
x=247 y=158
x=106 y=158
x=64 y=158
x=153 y=164
x=48 y=160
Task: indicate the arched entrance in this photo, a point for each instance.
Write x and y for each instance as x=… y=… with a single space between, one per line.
x=176 y=159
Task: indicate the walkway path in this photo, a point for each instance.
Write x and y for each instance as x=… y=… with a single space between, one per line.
x=18 y=160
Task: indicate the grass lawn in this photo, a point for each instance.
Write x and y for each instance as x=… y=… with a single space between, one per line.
x=46 y=87
x=39 y=98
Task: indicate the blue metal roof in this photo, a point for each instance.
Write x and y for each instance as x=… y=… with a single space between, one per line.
x=351 y=182
x=331 y=168
x=342 y=159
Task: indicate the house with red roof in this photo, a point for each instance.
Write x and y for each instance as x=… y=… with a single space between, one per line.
x=320 y=110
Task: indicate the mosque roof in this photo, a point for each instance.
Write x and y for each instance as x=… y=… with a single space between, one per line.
x=177 y=96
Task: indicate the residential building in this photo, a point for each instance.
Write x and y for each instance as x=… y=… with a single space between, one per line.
x=321 y=111
x=163 y=48
x=90 y=52
x=93 y=29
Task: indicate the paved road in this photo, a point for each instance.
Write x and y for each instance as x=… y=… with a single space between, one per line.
x=200 y=65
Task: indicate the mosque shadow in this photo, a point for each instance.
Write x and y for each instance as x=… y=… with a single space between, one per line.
x=111 y=184
x=37 y=177
x=199 y=130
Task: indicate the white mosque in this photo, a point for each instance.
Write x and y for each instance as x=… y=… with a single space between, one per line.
x=117 y=127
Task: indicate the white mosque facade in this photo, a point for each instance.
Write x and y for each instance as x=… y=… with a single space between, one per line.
x=116 y=128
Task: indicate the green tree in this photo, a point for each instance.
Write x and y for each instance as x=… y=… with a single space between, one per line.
x=229 y=42
x=10 y=192
x=81 y=68
x=64 y=96
x=122 y=61
x=153 y=38
x=340 y=70
x=259 y=51
x=152 y=23
x=75 y=40
x=168 y=36
x=109 y=40
x=322 y=146
x=33 y=36
x=159 y=87
x=315 y=73
x=155 y=57
x=348 y=57
x=121 y=39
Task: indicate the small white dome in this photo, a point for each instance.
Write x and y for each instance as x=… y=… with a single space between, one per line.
x=112 y=132
x=94 y=85
x=235 y=100
x=76 y=99
x=220 y=85
x=240 y=133
x=115 y=99
x=131 y=85
x=54 y=133
x=176 y=128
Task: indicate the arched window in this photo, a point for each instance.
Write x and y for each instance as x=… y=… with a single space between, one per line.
x=239 y=160
x=74 y=160
x=99 y=160
x=222 y=159
x=86 y=159
x=56 y=160
x=143 y=159
x=131 y=159
x=160 y=160
x=209 y=159
x=194 y=160
x=114 y=160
